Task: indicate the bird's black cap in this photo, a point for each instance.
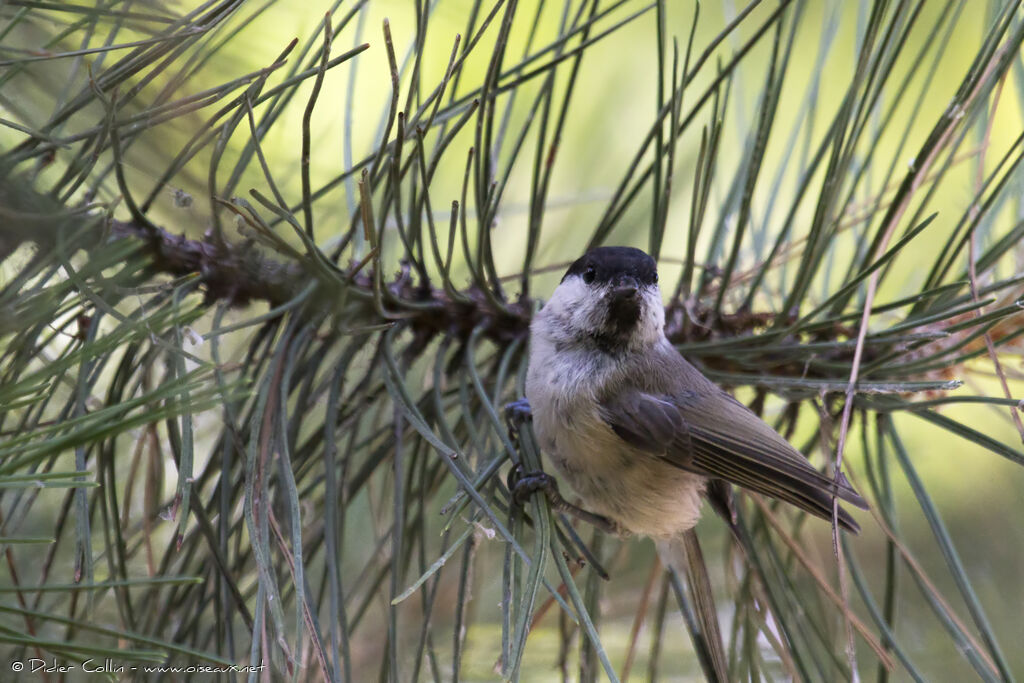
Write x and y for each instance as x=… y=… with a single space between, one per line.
x=609 y=263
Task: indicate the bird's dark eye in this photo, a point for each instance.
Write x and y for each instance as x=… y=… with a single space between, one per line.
x=589 y=274
x=655 y=278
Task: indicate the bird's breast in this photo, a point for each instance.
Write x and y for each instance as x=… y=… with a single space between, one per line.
x=642 y=493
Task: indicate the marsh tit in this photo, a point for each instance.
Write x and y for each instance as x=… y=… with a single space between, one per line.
x=639 y=433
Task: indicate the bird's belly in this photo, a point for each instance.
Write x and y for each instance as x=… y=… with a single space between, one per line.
x=640 y=492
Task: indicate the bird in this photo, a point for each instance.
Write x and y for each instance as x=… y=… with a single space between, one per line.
x=639 y=433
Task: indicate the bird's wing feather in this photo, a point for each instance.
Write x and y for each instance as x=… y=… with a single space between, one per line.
x=649 y=422
x=710 y=433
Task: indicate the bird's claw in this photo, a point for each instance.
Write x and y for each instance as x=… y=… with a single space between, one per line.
x=517 y=413
x=522 y=485
x=518 y=410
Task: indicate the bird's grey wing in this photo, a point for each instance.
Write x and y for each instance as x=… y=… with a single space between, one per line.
x=648 y=422
x=710 y=433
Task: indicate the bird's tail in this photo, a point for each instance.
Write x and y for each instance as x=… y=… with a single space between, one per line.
x=682 y=555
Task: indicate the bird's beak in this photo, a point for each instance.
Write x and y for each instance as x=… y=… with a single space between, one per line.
x=625 y=288
x=624 y=304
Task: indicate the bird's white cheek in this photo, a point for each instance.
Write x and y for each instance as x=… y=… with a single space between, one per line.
x=652 y=322
x=574 y=303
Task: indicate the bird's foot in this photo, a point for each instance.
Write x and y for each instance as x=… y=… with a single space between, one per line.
x=517 y=413
x=518 y=410
x=524 y=484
